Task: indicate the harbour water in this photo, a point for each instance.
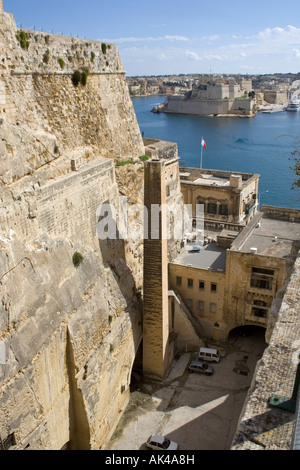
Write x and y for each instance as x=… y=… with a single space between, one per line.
x=262 y=144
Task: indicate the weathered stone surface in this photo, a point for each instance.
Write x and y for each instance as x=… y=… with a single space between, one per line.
x=70 y=332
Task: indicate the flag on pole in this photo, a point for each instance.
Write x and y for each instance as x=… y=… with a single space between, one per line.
x=203 y=143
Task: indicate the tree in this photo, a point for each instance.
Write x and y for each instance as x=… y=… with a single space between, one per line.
x=296 y=168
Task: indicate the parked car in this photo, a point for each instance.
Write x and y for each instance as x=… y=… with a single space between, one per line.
x=209 y=355
x=156 y=442
x=201 y=367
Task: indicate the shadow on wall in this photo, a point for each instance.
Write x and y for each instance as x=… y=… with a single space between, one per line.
x=112 y=248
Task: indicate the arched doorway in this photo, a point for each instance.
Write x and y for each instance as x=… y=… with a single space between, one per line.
x=250 y=336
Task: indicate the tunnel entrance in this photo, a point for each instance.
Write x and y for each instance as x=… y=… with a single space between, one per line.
x=250 y=338
x=247 y=331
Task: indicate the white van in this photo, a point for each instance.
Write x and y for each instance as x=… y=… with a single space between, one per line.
x=209 y=355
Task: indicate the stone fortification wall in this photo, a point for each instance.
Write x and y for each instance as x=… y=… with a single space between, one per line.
x=38 y=94
x=180 y=105
x=69 y=327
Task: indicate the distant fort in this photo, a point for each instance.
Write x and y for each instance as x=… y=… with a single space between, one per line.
x=213 y=99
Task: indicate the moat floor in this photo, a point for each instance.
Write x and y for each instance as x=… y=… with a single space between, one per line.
x=196 y=411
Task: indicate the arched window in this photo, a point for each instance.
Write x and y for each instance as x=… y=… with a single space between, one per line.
x=212 y=208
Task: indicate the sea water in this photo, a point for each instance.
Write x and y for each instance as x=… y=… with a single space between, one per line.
x=262 y=144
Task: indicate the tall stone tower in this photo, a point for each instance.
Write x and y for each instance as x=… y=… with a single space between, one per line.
x=156 y=357
x=1 y=6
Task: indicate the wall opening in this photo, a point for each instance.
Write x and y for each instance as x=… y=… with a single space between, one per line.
x=246 y=331
x=137 y=369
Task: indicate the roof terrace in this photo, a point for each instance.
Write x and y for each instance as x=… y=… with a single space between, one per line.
x=268 y=236
x=208 y=257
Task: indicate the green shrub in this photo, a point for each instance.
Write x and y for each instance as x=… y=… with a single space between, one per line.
x=92 y=57
x=125 y=162
x=144 y=157
x=104 y=48
x=84 y=75
x=47 y=39
x=23 y=37
x=61 y=63
x=76 y=77
x=80 y=77
x=46 y=56
x=77 y=259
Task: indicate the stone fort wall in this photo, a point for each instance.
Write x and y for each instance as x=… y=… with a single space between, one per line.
x=64 y=327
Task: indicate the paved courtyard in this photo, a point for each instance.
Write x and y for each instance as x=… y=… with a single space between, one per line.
x=196 y=411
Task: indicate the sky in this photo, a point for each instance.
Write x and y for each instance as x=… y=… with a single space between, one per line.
x=166 y=37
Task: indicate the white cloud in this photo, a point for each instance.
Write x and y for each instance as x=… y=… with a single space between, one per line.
x=287 y=34
x=192 y=55
x=216 y=56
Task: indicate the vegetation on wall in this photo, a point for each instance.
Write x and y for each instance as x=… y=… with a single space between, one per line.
x=80 y=77
x=46 y=56
x=23 y=39
x=77 y=259
x=61 y=62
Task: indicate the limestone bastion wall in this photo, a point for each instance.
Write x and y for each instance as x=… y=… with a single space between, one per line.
x=69 y=332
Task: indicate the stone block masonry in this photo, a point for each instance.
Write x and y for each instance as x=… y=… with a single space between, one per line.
x=38 y=93
x=70 y=331
x=156 y=317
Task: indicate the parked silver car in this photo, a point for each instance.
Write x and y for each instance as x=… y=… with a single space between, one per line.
x=201 y=367
x=156 y=442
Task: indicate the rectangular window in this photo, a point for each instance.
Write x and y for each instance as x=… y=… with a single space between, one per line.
x=201 y=305
x=260 y=312
x=223 y=209
x=201 y=285
x=178 y=280
x=190 y=282
x=189 y=303
x=213 y=307
x=262 y=278
x=213 y=287
x=211 y=208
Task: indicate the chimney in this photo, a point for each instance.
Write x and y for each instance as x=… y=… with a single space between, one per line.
x=236 y=181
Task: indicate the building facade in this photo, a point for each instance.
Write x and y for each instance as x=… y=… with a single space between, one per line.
x=229 y=199
x=236 y=280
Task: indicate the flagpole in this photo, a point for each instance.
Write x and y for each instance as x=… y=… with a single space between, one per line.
x=201 y=152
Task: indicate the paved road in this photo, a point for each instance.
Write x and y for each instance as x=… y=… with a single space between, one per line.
x=196 y=411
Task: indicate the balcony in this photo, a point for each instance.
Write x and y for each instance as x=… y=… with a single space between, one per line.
x=257 y=320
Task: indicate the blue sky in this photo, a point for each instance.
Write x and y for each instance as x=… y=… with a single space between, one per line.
x=164 y=37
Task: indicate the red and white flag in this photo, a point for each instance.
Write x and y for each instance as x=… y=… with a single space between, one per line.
x=203 y=143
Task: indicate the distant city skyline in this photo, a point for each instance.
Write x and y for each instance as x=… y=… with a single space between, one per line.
x=164 y=37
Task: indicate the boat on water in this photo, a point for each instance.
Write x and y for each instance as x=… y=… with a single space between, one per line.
x=294 y=105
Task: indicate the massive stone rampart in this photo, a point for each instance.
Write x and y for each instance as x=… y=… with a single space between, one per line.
x=69 y=326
